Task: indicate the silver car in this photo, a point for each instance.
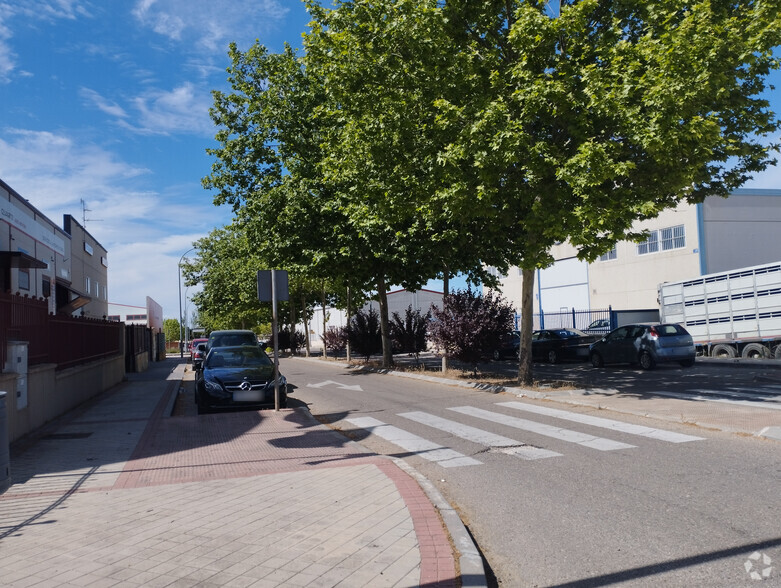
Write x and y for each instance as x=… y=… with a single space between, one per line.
x=646 y=344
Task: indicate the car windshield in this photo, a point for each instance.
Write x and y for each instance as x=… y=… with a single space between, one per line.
x=245 y=356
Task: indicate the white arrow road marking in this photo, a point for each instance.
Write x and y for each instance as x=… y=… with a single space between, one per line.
x=475 y=435
x=356 y=387
x=603 y=423
x=542 y=429
x=443 y=456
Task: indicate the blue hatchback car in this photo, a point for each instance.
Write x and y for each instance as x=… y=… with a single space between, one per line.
x=646 y=344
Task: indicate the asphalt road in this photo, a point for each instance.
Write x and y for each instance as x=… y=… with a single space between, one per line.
x=561 y=495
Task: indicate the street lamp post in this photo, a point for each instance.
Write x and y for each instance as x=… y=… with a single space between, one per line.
x=181 y=333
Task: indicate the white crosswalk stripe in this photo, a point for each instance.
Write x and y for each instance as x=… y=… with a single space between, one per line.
x=443 y=456
x=448 y=458
x=475 y=435
x=602 y=422
x=543 y=429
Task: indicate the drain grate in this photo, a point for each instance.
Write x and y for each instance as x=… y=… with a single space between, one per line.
x=55 y=436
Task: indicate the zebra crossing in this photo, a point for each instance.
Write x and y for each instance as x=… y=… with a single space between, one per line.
x=448 y=458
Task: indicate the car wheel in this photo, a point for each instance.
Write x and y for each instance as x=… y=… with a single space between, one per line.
x=687 y=363
x=646 y=360
x=596 y=360
x=553 y=357
x=497 y=355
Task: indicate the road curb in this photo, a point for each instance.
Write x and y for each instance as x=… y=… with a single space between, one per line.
x=770 y=433
x=470 y=561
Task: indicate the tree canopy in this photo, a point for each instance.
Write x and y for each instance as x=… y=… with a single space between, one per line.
x=414 y=138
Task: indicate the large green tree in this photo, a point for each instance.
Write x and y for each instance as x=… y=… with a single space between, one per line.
x=411 y=139
x=575 y=125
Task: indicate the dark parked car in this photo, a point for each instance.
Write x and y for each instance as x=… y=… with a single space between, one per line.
x=509 y=345
x=646 y=344
x=194 y=345
x=231 y=338
x=199 y=354
x=552 y=345
x=238 y=377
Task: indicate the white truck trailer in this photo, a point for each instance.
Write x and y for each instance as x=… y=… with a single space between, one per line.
x=729 y=314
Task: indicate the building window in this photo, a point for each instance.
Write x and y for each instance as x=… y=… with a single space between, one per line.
x=136 y=317
x=46 y=287
x=663 y=240
x=673 y=238
x=612 y=254
x=87 y=284
x=24 y=279
x=113 y=317
x=88 y=248
x=650 y=245
x=97 y=290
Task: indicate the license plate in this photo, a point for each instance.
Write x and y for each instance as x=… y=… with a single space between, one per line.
x=248 y=396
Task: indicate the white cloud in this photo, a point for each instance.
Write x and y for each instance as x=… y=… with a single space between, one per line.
x=209 y=24
x=184 y=109
x=110 y=108
x=7 y=56
x=41 y=10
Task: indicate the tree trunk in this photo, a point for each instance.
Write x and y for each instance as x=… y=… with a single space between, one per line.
x=349 y=314
x=325 y=322
x=292 y=306
x=445 y=291
x=387 y=351
x=525 y=376
x=306 y=326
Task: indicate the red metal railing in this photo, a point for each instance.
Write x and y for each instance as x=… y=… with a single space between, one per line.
x=60 y=339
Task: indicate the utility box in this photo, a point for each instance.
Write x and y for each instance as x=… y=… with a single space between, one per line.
x=16 y=362
x=5 y=460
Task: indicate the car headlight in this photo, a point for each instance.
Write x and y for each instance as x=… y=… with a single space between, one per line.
x=212 y=387
x=281 y=381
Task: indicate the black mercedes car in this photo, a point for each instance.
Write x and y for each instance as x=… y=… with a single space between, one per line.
x=238 y=377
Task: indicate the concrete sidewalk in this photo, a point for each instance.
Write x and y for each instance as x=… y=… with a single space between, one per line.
x=118 y=493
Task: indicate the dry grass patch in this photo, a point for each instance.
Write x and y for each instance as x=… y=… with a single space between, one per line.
x=464 y=375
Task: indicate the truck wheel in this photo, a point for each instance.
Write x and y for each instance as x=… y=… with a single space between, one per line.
x=646 y=360
x=723 y=351
x=755 y=351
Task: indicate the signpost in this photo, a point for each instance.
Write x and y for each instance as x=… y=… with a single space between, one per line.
x=273 y=286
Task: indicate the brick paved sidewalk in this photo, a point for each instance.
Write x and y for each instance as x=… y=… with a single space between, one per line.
x=117 y=493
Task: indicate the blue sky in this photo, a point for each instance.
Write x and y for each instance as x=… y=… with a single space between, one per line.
x=107 y=102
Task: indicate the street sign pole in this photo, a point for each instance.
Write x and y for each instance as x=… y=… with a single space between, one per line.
x=275 y=337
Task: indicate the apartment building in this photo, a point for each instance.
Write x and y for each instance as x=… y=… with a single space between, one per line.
x=39 y=259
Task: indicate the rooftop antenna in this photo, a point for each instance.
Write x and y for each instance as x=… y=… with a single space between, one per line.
x=84 y=211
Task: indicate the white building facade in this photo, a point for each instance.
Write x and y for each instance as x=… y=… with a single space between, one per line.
x=685 y=242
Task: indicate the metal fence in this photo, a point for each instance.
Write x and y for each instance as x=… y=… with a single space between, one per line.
x=577 y=319
x=60 y=339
